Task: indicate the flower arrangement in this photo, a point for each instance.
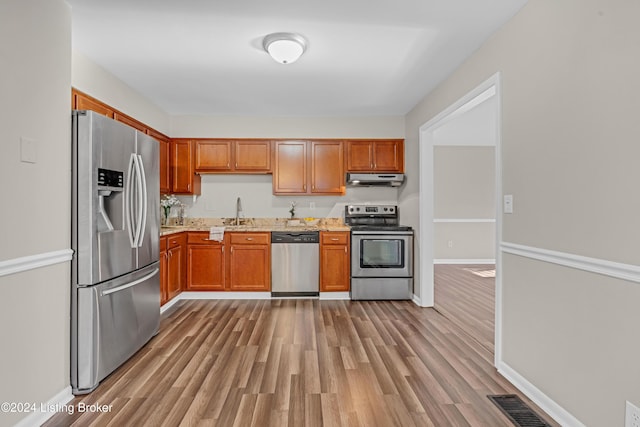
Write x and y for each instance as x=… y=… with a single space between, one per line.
x=167 y=201
x=292 y=209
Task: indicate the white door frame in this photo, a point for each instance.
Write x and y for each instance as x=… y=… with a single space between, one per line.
x=488 y=89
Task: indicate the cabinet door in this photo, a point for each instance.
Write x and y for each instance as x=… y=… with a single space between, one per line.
x=165 y=168
x=327 y=167
x=335 y=259
x=388 y=156
x=359 y=156
x=163 y=270
x=290 y=174
x=205 y=267
x=253 y=156
x=334 y=269
x=212 y=155
x=174 y=272
x=375 y=156
x=176 y=262
x=184 y=180
x=249 y=262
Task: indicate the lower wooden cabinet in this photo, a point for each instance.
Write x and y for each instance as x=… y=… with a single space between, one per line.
x=249 y=266
x=242 y=262
x=335 y=261
x=205 y=263
x=163 y=270
x=172 y=265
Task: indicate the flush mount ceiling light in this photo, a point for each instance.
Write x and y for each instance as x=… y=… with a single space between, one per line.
x=285 y=48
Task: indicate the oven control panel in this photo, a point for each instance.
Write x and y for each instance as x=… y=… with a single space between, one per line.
x=374 y=210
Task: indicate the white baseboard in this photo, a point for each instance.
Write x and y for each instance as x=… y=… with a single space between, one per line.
x=464 y=261
x=31 y=262
x=335 y=296
x=39 y=417
x=416 y=300
x=170 y=303
x=555 y=411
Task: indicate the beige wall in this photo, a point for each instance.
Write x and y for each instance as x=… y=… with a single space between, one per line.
x=35 y=41
x=92 y=79
x=219 y=193
x=570 y=97
x=464 y=194
x=287 y=127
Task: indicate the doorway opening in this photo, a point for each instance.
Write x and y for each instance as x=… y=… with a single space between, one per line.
x=460 y=219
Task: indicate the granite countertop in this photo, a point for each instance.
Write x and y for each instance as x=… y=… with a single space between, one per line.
x=254 y=225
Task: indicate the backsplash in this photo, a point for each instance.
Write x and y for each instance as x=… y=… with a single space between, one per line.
x=219 y=194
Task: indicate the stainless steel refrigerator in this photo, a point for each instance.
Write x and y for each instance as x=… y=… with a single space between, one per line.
x=115 y=290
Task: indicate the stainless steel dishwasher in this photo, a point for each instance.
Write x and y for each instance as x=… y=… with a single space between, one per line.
x=295 y=259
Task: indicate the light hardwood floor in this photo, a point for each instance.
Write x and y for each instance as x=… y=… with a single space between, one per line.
x=301 y=363
x=468 y=300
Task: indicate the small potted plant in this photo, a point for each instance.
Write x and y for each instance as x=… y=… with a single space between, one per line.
x=167 y=201
x=292 y=209
x=292 y=212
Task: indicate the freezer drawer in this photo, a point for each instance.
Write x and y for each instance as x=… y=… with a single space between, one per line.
x=111 y=322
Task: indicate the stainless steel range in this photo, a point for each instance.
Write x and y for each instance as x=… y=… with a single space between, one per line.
x=381 y=253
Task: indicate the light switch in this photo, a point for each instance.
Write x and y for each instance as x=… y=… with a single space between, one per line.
x=28 y=150
x=508 y=203
x=312 y=205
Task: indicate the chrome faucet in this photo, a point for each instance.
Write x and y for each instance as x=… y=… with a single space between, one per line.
x=238 y=210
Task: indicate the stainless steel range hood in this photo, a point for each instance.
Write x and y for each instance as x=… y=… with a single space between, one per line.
x=375 y=179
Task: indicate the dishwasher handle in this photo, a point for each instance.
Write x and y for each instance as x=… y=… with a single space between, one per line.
x=295 y=237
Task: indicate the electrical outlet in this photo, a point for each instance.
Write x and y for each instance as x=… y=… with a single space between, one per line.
x=450 y=243
x=632 y=417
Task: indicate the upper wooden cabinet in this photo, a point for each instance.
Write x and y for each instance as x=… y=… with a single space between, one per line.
x=290 y=168
x=184 y=179
x=327 y=167
x=375 y=155
x=165 y=160
x=81 y=101
x=212 y=155
x=309 y=167
x=229 y=156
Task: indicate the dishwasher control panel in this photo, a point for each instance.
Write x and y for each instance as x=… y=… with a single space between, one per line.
x=295 y=237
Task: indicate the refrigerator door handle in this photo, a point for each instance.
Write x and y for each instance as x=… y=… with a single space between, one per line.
x=128 y=285
x=144 y=206
x=128 y=200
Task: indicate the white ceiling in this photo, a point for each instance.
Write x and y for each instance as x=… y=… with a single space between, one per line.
x=205 y=57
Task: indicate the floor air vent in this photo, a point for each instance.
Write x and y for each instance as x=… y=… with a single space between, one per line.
x=517 y=411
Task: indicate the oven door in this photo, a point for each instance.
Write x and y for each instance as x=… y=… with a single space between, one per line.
x=381 y=254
